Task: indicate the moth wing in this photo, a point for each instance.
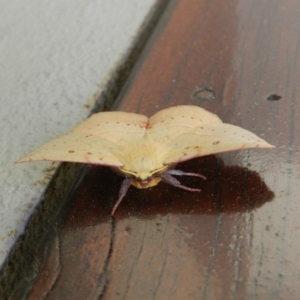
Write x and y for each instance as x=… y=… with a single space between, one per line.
x=211 y=139
x=77 y=148
x=98 y=140
x=171 y=122
x=114 y=126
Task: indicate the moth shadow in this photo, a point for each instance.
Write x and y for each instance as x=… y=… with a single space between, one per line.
x=228 y=189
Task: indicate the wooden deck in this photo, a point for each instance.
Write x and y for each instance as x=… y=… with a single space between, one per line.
x=238 y=238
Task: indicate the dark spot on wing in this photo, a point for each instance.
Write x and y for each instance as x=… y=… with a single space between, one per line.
x=71 y=151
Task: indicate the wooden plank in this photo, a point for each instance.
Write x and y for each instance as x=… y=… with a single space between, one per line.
x=238 y=238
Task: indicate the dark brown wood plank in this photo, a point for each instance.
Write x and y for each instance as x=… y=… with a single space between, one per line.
x=238 y=238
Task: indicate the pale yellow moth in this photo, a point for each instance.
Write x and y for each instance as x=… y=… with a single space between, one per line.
x=145 y=150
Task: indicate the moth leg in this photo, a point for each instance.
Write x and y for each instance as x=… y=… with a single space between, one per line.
x=173 y=181
x=123 y=190
x=180 y=173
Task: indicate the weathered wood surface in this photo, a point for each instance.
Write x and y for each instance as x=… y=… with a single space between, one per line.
x=238 y=238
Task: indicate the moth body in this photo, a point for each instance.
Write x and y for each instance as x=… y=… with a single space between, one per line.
x=142 y=163
x=145 y=150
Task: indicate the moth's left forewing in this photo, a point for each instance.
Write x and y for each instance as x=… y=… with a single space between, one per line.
x=211 y=139
x=171 y=122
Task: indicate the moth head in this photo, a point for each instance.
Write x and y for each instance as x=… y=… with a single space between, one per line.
x=143 y=179
x=143 y=184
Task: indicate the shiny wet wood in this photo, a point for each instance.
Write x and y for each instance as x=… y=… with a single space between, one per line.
x=238 y=238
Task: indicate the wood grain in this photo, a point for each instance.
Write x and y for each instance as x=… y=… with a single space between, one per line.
x=238 y=238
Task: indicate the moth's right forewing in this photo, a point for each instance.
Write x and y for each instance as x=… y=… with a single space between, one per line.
x=77 y=148
x=102 y=139
x=114 y=126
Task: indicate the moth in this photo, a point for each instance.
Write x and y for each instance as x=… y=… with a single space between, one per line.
x=146 y=150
